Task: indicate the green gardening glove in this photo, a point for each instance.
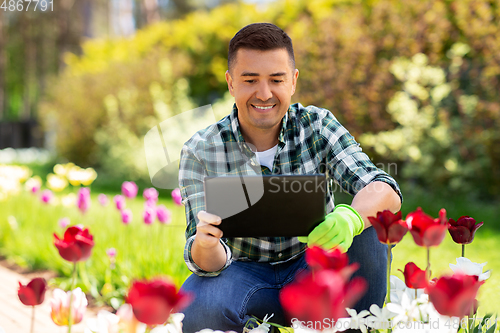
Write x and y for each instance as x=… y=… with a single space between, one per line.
x=338 y=229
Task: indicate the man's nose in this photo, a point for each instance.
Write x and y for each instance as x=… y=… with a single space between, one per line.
x=264 y=92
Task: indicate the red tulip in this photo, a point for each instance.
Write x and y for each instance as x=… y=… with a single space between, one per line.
x=318 y=259
x=324 y=294
x=390 y=227
x=152 y=301
x=425 y=230
x=76 y=245
x=415 y=278
x=454 y=295
x=462 y=231
x=33 y=293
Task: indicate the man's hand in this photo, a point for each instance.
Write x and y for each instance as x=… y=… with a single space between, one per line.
x=338 y=229
x=207 y=234
x=207 y=250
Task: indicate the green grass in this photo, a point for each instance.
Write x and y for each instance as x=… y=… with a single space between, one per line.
x=484 y=248
x=157 y=250
x=143 y=251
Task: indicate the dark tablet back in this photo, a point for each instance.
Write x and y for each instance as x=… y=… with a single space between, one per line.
x=266 y=206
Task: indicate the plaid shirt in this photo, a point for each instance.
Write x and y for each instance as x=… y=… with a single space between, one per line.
x=311 y=141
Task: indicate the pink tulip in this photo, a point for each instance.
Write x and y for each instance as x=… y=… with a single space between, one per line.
x=119 y=202
x=83 y=199
x=64 y=222
x=149 y=203
x=129 y=189
x=176 y=196
x=163 y=214
x=35 y=188
x=46 y=196
x=111 y=252
x=149 y=215
x=103 y=199
x=126 y=216
x=150 y=194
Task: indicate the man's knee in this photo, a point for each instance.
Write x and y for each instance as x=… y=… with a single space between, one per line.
x=210 y=307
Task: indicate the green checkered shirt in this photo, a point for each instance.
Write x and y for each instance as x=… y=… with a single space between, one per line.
x=311 y=141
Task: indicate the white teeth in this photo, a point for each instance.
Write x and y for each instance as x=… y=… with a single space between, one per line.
x=264 y=107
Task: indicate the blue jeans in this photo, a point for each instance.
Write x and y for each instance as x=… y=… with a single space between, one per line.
x=247 y=289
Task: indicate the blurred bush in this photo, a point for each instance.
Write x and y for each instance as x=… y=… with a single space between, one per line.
x=108 y=98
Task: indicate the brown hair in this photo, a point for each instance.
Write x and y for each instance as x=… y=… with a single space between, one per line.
x=260 y=36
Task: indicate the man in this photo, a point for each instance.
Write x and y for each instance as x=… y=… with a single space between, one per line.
x=236 y=278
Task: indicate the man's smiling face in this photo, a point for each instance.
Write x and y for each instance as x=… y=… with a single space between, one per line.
x=262 y=83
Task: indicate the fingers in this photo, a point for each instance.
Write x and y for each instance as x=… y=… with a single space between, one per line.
x=208 y=230
x=209 y=218
x=319 y=232
x=334 y=242
x=207 y=234
x=303 y=239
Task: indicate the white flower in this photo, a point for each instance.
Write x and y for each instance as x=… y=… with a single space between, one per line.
x=264 y=327
x=358 y=320
x=128 y=322
x=106 y=322
x=410 y=310
x=380 y=318
x=60 y=306
x=468 y=267
x=174 y=324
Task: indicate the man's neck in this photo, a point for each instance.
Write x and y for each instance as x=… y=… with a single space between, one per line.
x=262 y=140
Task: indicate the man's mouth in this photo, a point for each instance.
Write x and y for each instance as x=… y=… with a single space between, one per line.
x=263 y=107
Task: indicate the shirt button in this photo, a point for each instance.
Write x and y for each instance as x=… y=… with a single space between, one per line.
x=280 y=255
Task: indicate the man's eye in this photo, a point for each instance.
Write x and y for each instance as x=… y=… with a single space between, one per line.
x=250 y=81
x=277 y=81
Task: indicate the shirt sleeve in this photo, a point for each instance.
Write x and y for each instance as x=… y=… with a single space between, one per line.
x=350 y=168
x=191 y=176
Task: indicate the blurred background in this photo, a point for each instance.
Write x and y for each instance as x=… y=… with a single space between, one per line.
x=416 y=82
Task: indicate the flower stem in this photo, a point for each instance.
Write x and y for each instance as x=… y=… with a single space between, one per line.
x=428 y=268
x=32 y=319
x=388 y=298
x=73 y=283
x=463 y=250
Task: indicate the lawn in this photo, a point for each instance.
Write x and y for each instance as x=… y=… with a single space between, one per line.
x=27 y=226
x=142 y=251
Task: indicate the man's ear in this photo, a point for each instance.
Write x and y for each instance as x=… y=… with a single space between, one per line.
x=294 y=80
x=229 y=81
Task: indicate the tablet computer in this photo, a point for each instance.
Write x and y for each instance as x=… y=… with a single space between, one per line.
x=266 y=205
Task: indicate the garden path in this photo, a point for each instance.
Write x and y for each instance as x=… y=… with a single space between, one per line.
x=16 y=317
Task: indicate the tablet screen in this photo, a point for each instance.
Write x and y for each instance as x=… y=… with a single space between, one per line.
x=266 y=206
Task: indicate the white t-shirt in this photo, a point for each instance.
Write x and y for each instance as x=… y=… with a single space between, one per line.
x=266 y=157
